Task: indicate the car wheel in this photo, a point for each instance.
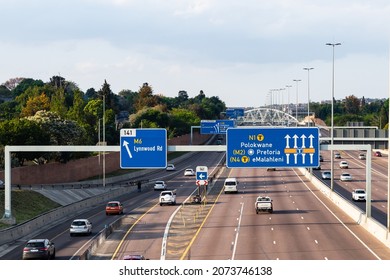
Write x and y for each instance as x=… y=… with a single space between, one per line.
x=160 y=204
x=54 y=255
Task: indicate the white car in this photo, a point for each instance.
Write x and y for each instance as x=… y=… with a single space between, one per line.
x=189 y=172
x=337 y=155
x=362 y=156
x=160 y=185
x=80 y=226
x=326 y=175
x=230 y=185
x=359 y=195
x=345 y=177
x=167 y=197
x=343 y=164
x=170 y=167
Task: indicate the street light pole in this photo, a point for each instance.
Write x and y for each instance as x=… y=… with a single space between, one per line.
x=288 y=98
x=308 y=93
x=296 y=104
x=331 y=126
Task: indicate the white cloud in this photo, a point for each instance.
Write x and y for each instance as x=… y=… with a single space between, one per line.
x=235 y=49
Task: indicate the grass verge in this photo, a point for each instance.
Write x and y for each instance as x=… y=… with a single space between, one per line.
x=26 y=204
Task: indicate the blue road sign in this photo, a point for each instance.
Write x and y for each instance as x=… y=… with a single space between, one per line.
x=215 y=126
x=272 y=147
x=201 y=176
x=143 y=148
x=233 y=113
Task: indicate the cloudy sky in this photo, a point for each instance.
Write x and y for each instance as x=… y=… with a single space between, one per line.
x=237 y=50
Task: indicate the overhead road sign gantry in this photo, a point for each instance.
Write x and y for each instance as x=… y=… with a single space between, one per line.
x=215 y=126
x=143 y=148
x=272 y=147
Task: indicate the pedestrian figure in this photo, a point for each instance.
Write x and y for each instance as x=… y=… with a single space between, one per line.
x=139 y=186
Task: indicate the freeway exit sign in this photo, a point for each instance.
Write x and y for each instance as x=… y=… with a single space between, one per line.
x=272 y=147
x=143 y=148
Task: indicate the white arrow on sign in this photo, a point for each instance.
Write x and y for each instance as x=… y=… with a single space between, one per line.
x=126 y=144
x=201 y=176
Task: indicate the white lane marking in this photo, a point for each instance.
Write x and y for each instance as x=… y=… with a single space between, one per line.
x=337 y=218
x=237 y=231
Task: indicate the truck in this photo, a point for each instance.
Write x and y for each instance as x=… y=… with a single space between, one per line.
x=168 y=197
x=263 y=203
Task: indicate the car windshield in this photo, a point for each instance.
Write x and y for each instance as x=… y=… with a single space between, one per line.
x=35 y=244
x=360 y=191
x=112 y=204
x=79 y=223
x=230 y=183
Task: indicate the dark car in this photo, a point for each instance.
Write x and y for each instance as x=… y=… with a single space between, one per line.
x=39 y=249
x=378 y=154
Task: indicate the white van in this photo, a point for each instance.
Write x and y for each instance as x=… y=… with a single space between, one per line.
x=230 y=185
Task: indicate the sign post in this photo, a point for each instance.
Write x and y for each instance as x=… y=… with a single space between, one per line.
x=143 y=148
x=272 y=147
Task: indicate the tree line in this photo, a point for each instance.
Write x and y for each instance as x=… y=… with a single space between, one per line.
x=33 y=112
x=372 y=112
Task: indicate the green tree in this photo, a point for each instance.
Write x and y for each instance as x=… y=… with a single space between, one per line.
x=180 y=122
x=25 y=84
x=19 y=132
x=150 y=118
x=61 y=131
x=352 y=105
x=9 y=110
x=58 y=104
x=76 y=111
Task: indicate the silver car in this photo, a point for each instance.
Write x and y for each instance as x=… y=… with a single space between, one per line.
x=80 y=226
x=345 y=177
x=160 y=185
x=326 y=175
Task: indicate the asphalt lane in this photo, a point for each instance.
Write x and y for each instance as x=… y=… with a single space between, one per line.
x=300 y=228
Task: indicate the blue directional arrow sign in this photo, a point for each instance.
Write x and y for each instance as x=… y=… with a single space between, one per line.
x=272 y=147
x=201 y=176
x=215 y=126
x=143 y=148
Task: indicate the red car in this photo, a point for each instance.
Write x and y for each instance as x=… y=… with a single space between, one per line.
x=378 y=154
x=114 y=208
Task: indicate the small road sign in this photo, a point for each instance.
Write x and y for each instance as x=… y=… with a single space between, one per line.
x=143 y=148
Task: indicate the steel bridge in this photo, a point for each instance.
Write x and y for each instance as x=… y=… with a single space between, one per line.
x=267 y=117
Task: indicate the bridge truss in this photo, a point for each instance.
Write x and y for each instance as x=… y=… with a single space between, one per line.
x=267 y=117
